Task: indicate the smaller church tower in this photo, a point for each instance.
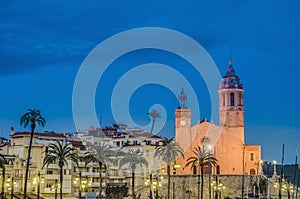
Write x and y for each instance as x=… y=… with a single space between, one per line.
x=231 y=98
x=182 y=118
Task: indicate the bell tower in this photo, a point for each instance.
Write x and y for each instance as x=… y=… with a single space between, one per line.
x=231 y=99
x=182 y=119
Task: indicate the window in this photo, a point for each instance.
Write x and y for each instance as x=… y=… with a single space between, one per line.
x=241 y=99
x=206 y=142
x=46 y=151
x=251 y=156
x=49 y=185
x=49 y=172
x=252 y=172
x=231 y=99
x=194 y=169
x=223 y=99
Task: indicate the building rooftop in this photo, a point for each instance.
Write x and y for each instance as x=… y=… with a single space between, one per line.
x=46 y=134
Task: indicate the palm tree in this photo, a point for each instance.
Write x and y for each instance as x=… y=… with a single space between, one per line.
x=201 y=158
x=101 y=154
x=59 y=153
x=153 y=114
x=32 y=116
x=169 y=151
x=2 y=166
x=133 y=158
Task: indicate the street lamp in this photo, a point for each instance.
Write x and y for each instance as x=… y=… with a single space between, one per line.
x=209 y=147
x=83 y=184
x=38 y=181
x=175 y=166
x=274 y=163
x=55 y=186
x=79 y=181
x=9 y=185
x=154 y=186
x=218 y=187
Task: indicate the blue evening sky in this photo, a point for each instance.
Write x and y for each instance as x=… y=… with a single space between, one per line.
x=43 y=44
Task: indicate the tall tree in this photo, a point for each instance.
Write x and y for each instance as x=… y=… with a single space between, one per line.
x=102 y=154
x=32 y=116
x=153 y=114
x=168 y=152
x=59 y=153
x=2 y=166
x=133 y=158
x=201 y=158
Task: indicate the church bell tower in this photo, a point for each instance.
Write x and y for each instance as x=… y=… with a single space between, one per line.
x=231 y=99
x=182 y=119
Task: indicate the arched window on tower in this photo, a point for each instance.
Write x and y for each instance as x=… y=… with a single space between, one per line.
x=240 y=99
x=231 y=99
x=223 y=96
x=252 y=157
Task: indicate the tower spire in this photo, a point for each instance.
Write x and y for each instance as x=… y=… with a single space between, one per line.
x=182 y=99
x=230 y=62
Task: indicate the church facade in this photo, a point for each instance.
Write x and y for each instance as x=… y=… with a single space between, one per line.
x=226 y=141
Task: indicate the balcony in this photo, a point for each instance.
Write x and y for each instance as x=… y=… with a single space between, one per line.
x=51 y=190
x=56 y=177
x=53 y=166
x=90 y=174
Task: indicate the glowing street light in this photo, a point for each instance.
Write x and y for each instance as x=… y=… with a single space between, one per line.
x=274 y=163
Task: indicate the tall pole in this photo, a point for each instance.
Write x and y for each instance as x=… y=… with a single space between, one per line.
x=151 y=187
x=156 y=186
x=281 y=174
x=209 y=177
x=243 y=176
x=268 y=184
x=55 y=189
x=80 y=185
x=274 y=164
x=39 y=184
x=298 y=183
x=12 y=188
x=173 y=190
x=217 y=187
x=295 y=171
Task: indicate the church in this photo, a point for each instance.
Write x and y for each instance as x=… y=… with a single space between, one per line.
x=226 y=141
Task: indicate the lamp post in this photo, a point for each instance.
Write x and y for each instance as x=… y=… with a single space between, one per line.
x=79 y=181
x=10 y=183
x=154 y=186
x=257 y=188
x=218 y=187
x=175 y=166
x=12 y=188
x=209 y=147
x=274 y=164
x=38 y=180
x=39 y=184
x=55 y=189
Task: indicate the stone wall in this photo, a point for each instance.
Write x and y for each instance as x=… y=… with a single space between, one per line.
x=181 y=184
